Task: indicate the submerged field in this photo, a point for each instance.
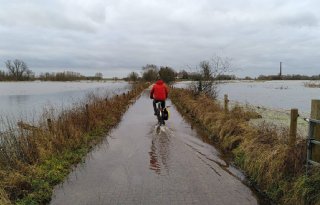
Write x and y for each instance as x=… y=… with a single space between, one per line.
x=25 y=100
x=273 y=100
x=278 y=95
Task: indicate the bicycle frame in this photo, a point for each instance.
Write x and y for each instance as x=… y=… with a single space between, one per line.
x=159 y=114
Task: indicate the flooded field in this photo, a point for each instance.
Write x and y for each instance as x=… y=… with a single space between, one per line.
x=279 y=95
x=273 y=100
x=25 y=100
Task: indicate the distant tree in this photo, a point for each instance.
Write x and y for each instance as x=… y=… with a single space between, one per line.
x=150 y=66
x=167 y=74
x=184 y=74
x=194 y=76
x=18 y=70
x=226 y=77
x=133 y=76
x=3 y=75
x=150 y=72
x=98 y=76
x=29 y=75
x=206 y=79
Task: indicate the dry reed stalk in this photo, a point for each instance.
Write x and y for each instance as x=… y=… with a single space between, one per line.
x=4 y=198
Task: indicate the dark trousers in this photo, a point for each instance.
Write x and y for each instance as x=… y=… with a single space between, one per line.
x=163 y=104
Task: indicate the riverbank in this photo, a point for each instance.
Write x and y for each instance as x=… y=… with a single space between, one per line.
x=35 y=158
x=263 y=151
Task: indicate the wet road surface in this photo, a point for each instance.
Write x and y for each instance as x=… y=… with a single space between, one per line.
x=139 y=164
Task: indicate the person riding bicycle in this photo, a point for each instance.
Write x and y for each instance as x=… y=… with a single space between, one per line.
x=159 y=93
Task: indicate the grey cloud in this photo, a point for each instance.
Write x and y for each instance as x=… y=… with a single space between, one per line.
x=51 y=15
x=117 y=36
x=300 y=20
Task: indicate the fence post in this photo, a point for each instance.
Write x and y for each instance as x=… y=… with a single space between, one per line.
x=49 y=122
x=315 y=114
x=226 y=102
x=293 y=127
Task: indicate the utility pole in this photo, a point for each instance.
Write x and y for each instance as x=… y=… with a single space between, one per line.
x=280 y=74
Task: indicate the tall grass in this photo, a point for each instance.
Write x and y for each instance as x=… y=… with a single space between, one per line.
x=312 y=84
x=4 y=198
x=34 y=158
x=262 y=151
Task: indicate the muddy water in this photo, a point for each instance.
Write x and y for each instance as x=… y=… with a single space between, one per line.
x=140 y=164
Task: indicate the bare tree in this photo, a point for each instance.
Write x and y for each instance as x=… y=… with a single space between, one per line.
x=98 y=76
x=150 y=66
x=133 y=76
x=206 y=79
x=183 y=74
x=18 y=69
x=150 y=72
x=167 y=74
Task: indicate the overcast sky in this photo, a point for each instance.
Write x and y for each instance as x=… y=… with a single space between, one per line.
x=116 y=37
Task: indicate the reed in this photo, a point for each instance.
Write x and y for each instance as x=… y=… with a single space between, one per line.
x=36 y=157
x=262 y=151
x=311 y=84
x=4 y=198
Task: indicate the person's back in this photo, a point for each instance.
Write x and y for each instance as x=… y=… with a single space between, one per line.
x=159 y=93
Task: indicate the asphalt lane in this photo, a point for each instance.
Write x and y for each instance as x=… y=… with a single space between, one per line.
x=140 y=164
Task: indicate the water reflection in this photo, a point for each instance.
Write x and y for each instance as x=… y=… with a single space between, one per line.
x=17 y=100
x=160 y=151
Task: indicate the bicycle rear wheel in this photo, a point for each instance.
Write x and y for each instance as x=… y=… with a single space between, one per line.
x=160 y=115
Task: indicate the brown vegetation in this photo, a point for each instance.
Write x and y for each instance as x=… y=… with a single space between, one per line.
x=263 y=152
x=34 y=158
x=312 y=84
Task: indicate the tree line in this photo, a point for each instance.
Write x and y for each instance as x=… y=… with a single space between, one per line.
x=288 y=77
x=151 y=72
x=205 y=78
x=18 y=70
x=68 y=76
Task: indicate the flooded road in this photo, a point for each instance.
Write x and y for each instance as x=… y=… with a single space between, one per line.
x=139 y=164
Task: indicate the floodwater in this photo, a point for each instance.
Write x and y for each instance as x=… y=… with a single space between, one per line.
x=25 y=100
x=140 y=164
x=282 y=95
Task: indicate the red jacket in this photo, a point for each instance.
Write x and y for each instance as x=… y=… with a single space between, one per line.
x=159 y=91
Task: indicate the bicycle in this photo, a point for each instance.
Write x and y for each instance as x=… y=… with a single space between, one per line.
x=160 y=114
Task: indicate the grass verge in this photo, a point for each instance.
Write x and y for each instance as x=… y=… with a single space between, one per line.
x=263 y=152
x=35 y=158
